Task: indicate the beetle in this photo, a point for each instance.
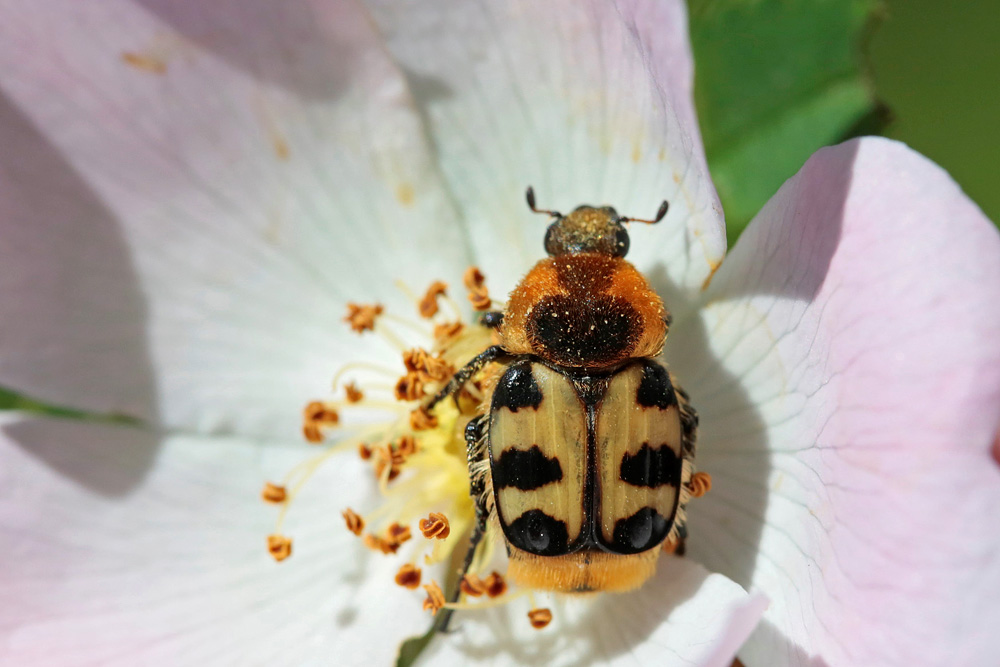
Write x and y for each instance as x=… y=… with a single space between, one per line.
x=586 y=451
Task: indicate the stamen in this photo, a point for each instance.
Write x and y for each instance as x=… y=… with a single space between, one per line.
x=364 y=451
x=700 y=484
x=354 y=522
x=422 y=420
x=407 y=446
x=409 y=576
x=279 y=546
x=472 y=585
x=354 y=393
x=376 y=543
x=475 y=283
x=435 y=526
x=397 y=533
x=539 y=618
x=435 y=597
x=315 y=415
x=447 y=331
x=495 y=585
x=273 y=493
x=428 y=306
x=362 y=317
x=409 y=387
x=361 y=365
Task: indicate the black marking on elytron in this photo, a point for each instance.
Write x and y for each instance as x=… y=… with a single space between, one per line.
x=517 y=388
x=655 y=389
x=588 y=331
x=525 y=469
x=640 y=532
x=538 y=533
x=651 y=467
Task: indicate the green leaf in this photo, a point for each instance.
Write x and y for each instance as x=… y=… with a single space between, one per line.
x=775 y=81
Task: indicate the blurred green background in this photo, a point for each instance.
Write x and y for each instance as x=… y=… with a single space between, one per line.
x=936 y=65
x=777 y=79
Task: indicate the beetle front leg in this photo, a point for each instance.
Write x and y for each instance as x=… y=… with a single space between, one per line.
x=465 y=374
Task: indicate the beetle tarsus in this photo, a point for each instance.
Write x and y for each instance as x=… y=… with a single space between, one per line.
x=458 y=380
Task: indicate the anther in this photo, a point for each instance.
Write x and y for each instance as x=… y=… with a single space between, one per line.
x=364 y=451
x=539 y=618
x=376 y=543
x=700 y=484
x=273 y=493
x=428 y=305
x=354 y=522
x=407 y=446
x=410 y=387
x=435 y=597
x=279 y=546
x=397 y=533
x=472 y=585
x=362 y=317
x=435 y=526
x=354 y=393
x=475 y=283
x=422 y=420
x=495 y=585
x=447 y=331
x=408 y=576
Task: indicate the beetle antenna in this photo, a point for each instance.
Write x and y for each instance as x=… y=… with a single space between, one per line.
x=530 y=196
x=659 y=215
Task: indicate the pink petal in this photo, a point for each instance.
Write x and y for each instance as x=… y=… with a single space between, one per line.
x=103 y=565
x=189 y=194
x=589 y=102
x=847 y=371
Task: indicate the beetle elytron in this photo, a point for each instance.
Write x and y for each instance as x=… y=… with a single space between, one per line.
x=585 y=454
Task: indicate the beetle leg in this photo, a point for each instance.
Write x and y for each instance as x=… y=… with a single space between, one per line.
x=477 y=489
x=464 y=374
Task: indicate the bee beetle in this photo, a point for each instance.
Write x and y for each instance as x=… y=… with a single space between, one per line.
x=585 y=454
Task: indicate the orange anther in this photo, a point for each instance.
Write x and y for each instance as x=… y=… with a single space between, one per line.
x=397 y=533
x=364 y=451
x=539 y=618
x=273 y=493
x=354 y=522
x=448 y=330
x=435 y=597
x=279 y=546
x=495 y=585
x=354 y=393
x=428 y=305
x=422 y=420
x=362 y=317
x=472 y=585
x=435 y=526
x=700 y=484
x=408 y=576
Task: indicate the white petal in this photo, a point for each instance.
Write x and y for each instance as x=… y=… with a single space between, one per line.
x=190 y=193
x=683 y=616
x=847 y=372
x=106 y=564
x=588 y=102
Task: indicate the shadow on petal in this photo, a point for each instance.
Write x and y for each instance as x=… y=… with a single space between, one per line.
x=302 y=47
x=74 y=315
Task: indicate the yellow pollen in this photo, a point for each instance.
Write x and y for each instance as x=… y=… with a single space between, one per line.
x=428 y=305
x=408 y=576
x=354 y=522
x=435 y=526
x=361 y=317
x=539 y=618
x=435 y=597
x=700 y=484
x=273 y=493
x=279 y=546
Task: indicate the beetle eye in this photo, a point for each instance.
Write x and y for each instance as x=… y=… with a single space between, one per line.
x=621 y=242
x=551 y=244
